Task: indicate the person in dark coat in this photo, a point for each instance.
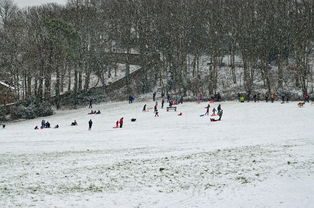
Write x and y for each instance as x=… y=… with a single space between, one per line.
x=220 y=114
x=43 y=124
x=219 y=108
x=254 y=98
x=47 y=125
x=3 y=126
x=121 y=122
x=283 y=98
x=155 y=107
x=144 y=108
x=154 y=96
x=162 y=103
x=130 y=99
x=90 y=124
x=74 y=123
x=266 y=98
x=207 y=109
x=214 y=111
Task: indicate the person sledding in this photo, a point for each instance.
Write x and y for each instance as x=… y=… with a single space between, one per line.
x=117 y=124
x=207 y=109
x=219 y=118
x=98 y=112
x=74 y=123
x=214 y=112
x=47 y=125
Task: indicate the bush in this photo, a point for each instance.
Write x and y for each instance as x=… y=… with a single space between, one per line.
x=31 y=108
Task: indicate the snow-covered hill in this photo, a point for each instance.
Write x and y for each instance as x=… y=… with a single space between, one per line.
x=259 y=155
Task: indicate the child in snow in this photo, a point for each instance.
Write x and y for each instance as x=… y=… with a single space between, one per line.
x=74 y=123
x=214 y=111
x=144 y=108
x=117 y=124
x=121 y=122
x=47 y=125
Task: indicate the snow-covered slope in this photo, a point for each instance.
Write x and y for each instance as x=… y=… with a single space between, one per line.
x=259 y=155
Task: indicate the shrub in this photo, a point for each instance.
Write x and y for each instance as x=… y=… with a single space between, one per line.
x=31 y=108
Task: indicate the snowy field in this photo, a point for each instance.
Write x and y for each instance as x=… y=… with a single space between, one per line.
x=259 y=155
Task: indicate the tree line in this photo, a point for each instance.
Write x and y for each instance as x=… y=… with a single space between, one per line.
x=49 y=49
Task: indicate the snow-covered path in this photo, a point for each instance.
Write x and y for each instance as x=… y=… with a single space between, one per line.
x=259 y=155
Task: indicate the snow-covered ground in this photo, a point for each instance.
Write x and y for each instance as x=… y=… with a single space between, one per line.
x=259 y=155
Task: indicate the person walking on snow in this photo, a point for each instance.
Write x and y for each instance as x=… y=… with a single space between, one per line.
x=90 y=124
x=121 y=122
x=144 y=108
x=207 y=109
x=162 y=103
x=155 y=107
x=154 y=96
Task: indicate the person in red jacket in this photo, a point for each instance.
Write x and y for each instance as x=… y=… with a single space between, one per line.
x=121 y=122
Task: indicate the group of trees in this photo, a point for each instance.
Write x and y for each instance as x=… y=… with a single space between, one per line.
x=44 y=47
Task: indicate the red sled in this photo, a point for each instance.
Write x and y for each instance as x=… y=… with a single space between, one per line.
x=115 y=127
x=214 y=120
x=214 y=115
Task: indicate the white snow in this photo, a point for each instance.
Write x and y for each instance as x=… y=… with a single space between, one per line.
x=259 y=155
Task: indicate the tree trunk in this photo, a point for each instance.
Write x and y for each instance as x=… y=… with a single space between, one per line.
x=57 y=87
